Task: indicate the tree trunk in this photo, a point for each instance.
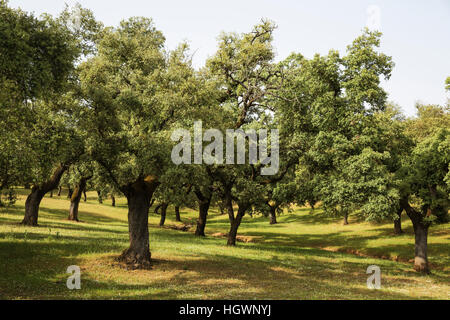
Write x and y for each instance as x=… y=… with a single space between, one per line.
x=228 y=203
x=221 y=208
x=421 y=236
x=345 y=222
x=273 y=215
x=204 y=202
x=177 y=214
x=113 y=201
x=398 y=222
x=100 y=198
x=235 y=223
x=69 y=192
x=203 y=205
x=32 y=206
x=164 y=206
x=138 y=195
x=37 y=193
x=421 y=245
x=75 y=199
x=59 y=191
x=51 y=194
x=84 y=195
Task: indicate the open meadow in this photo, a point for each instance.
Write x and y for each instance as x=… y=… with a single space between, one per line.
x=304 y=256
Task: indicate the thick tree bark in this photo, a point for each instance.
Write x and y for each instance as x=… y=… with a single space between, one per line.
x=75 y=199
x=113 y=200
x=164 y=206
x=421 y=246
x=177 y=214
x=421 y=237
x=273 y=215
x=37 y=193
x=138 y=195
x=398 y=222
x=32 y=206
x=204 y=202
x=235 y=223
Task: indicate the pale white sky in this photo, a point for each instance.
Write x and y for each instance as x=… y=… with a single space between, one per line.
x=415 y=33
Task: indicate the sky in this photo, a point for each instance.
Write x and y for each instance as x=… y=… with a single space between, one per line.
x=416 y=33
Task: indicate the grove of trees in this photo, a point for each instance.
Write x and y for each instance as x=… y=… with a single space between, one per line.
x=93 y=107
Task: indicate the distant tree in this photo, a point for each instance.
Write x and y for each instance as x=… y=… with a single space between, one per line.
x=245 y=72
x=79 y=175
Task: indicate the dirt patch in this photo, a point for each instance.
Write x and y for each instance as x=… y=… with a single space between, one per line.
x=239 y=238
x=384 y=257
x=183 y=227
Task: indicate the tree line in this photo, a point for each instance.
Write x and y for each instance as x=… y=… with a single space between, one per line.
x=93 y=106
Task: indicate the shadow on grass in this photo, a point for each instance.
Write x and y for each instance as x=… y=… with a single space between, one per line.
x=227 y=277
x=41 y=267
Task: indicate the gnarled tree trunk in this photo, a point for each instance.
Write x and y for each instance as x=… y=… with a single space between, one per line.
x=177 y=214
x=75 y=199
x=235 y=223
x=138 y=195
x=204 y=202
x=164 y=206
x=32 y=206
x=421 y=237
x=37 y=193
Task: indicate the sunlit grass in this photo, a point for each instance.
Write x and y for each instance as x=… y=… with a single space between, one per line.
x=305 y=256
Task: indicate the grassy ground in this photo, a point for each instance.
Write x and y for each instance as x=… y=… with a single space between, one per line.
x=305 y=256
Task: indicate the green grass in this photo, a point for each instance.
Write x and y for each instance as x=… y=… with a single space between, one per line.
x=305 y=256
